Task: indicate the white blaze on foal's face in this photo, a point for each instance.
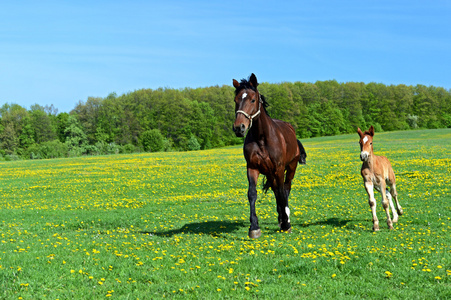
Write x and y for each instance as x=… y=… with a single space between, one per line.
x=365 y=147
x=243 y=96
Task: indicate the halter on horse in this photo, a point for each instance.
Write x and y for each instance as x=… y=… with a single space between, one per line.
x=270 y=148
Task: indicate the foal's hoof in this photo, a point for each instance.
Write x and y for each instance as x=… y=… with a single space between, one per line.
x=400 y=211
x=255 y=234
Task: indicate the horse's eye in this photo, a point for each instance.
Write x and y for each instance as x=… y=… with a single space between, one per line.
x=253 y=100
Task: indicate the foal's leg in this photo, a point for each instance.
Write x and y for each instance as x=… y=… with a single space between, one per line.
x=372 y=203
x=394 y=194
x=385 y=204
x=252 y=177
x=390 y=201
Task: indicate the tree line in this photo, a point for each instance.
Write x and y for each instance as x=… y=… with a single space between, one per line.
x=168 y=119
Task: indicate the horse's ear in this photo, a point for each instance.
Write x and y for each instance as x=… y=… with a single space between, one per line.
x=359 y=131
x=253 y=80
x=236 y=84
x=371 y=130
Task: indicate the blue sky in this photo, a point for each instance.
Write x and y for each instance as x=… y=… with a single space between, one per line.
x=61 y=52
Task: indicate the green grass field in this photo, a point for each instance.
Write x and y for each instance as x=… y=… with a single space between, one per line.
x=175 y=225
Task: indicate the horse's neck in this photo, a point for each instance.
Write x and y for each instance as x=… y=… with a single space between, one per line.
x=262 y=125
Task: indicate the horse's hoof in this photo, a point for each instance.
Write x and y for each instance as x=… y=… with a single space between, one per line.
x=400 y=211
x=375 y=228
x=285 y=227
x=255 y=234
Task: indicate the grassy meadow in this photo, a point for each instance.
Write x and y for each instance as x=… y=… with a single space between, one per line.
x=175 y=225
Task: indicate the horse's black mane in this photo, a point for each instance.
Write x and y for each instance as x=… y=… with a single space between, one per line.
x=245 y=84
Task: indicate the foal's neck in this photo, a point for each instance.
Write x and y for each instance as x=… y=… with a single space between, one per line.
x=371 y=160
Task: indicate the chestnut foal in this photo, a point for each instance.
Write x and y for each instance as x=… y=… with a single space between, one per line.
x=378 y=173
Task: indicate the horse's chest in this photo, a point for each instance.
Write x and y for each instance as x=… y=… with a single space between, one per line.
x=261 y=160
x=265 y=161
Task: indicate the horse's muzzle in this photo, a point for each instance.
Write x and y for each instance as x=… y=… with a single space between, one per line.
x=240 y=130
x=363 y=156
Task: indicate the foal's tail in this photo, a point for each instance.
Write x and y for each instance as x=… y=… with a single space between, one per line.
x=302 y=158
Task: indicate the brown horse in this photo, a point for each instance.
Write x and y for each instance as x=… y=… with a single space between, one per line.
x=378 y=173
x=270 y=148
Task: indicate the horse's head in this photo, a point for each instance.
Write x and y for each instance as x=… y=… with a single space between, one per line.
x=248 y=103
x=366 y=143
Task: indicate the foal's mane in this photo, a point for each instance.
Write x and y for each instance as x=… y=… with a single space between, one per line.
x=245 y=84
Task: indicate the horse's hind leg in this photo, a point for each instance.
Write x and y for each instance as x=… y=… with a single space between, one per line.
x=291 y=170
x=282 y=191
x=394 y=194
x=252 y=176
x=282 y=209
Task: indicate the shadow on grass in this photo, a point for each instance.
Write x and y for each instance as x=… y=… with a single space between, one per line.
x=214 y=228
x=336 y=222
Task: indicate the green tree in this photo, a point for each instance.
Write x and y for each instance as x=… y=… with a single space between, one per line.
x=9 y=139
x=42 y=125
x=152 y=140
x=26 y=138
x=193 y=144
x=61 y=125
x=76 y=139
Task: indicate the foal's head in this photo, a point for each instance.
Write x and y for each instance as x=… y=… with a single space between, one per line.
x=248 y=104
x=366 y=143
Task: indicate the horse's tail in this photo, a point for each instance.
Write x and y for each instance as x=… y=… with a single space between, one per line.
x=303 y=156
x=266 y=184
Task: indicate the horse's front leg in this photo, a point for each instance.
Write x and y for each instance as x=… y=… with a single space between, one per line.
x=252 y=177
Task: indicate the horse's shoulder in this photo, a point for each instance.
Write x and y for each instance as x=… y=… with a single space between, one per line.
x=282 y=123
x=257 y=156
x=284 y=126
